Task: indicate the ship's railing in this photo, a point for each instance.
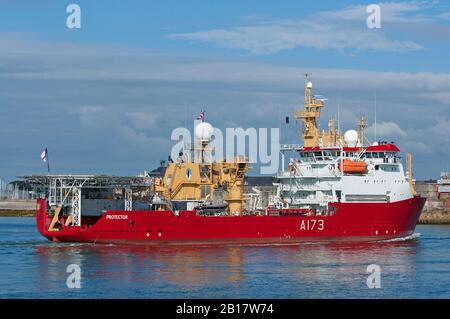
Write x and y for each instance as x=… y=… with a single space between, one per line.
x=287 y=174
x=298 y=202
x=290 y=147
x=306 y=201
x=239 y=159
x=445 y=178
x=305 y=187
x=98 y=181
x=326 y=171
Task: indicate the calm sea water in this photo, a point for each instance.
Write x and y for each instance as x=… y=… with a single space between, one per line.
x=31 y=267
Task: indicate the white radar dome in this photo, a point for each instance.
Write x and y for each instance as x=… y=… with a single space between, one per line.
x=309 y=85
x=351 y=138
x=203 y=131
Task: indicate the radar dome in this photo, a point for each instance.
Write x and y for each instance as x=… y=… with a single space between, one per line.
x=203 y=131
x=351 y=138
x=309 y=85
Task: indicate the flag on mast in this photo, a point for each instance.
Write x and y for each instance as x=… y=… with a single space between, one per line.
x=44 y=158
x=44 y=155
x=201 y=116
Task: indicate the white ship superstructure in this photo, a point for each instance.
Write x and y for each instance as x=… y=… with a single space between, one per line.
x=337 y=168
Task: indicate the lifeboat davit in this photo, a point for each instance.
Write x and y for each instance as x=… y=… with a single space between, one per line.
x=354 y=167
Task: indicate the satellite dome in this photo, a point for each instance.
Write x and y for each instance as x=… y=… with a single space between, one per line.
x=309 y=85
x=203 y=131
x=351 y=138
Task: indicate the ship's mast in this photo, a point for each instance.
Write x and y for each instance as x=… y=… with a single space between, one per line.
x=332 y=132
x=201 y=178
x=311 y=113
x=362 y=124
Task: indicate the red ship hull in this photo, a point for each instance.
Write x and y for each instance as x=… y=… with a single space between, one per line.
x=351 y=221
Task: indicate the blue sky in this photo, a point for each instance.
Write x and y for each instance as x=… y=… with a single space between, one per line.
x=105 y=98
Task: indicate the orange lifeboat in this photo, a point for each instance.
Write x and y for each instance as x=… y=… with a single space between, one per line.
x=353 y=167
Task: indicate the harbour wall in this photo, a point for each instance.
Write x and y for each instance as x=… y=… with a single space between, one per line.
x=437 y=207
x=18 y=204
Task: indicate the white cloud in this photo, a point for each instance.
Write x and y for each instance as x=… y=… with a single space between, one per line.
x=387 y=129
x=129 y=65
x=98 y=118
x=440 y=96
x=444 y=16
x=407 y=12
x=143 y=120
x=91 y=115
x=276 y=36
x=341 y=30
x=141 y=139
x=124 y=97
x=418 y=147
x=442 y=127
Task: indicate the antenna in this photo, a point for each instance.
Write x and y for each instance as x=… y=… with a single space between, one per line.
x=186 y=115
x=338 y=118
x=279 y=123
x=375 y=111
x=306 y=82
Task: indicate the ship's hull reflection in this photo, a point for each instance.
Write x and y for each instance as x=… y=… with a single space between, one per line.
x=192 y=268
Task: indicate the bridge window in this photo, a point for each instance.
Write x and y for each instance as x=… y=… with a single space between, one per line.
x=307 y=156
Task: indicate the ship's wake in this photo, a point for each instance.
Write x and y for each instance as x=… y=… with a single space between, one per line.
x=406 y=238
